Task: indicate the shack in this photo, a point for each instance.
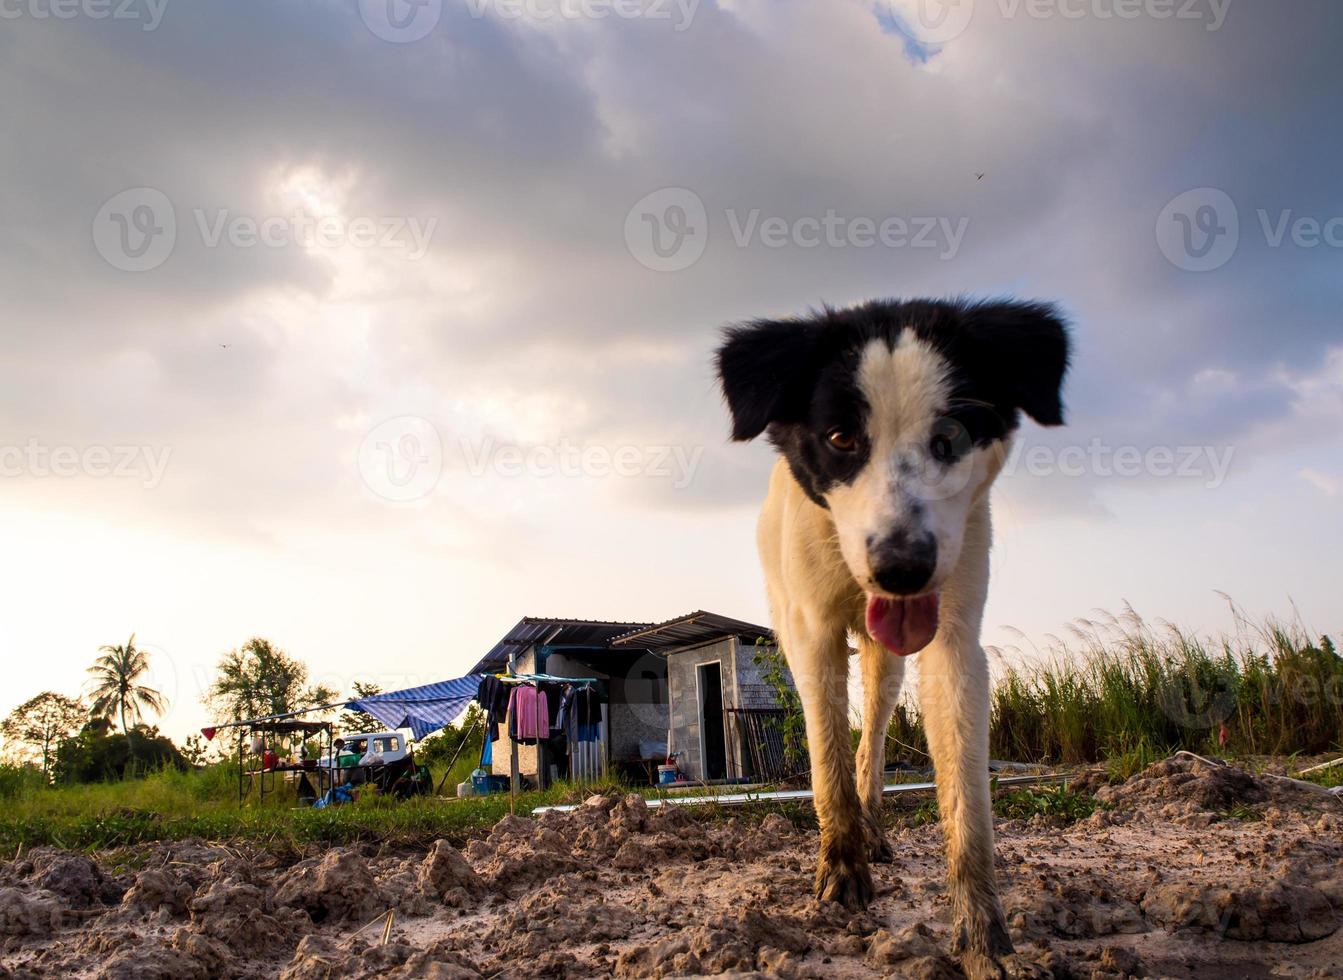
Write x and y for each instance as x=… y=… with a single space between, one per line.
x=688 y=689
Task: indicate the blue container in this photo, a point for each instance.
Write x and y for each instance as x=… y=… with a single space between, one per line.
x=480 y=782
x=484 y=784
x=666 y=775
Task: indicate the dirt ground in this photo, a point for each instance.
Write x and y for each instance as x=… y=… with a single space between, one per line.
x=1188 y=872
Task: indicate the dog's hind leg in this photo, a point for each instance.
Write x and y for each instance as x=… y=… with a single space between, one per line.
x=882 y=673
x=819 y=664
x=954 y=693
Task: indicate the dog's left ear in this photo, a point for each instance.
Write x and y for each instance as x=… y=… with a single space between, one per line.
x=1028 y=346
x=765 y=367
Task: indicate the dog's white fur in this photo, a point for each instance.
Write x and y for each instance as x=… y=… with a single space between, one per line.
x=818 y=578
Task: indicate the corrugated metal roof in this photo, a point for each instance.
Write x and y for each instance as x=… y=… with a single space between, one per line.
x=688 y=630
x=532 y=630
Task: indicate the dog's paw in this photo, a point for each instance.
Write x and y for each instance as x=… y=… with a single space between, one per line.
x=848 y=883
x=879 y=848
x=981 y=941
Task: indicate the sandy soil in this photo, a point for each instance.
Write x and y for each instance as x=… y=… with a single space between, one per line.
x=1163 y=883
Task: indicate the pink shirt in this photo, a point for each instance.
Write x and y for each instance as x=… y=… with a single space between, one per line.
x=530 y=712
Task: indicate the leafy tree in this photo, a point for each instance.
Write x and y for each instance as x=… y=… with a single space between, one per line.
x=42 y=722
x=353 y=722
x=97 y=755
x=260 y=679
x=114 y=688
x=774 y=672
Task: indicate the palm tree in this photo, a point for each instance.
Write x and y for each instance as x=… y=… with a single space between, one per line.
x=114 y=689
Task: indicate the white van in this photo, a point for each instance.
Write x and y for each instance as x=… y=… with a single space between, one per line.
x=391 y=746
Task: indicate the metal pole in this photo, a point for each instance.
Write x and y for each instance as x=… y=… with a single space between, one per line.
x=456 y=754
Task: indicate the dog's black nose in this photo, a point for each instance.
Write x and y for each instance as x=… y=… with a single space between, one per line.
x=902 y=564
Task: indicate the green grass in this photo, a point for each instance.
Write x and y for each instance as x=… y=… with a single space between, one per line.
x=1326 y=777
x=1126 y=693
x=174 y=805
x=1056 y=802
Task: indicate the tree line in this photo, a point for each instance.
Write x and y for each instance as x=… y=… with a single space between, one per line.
x=104 y=732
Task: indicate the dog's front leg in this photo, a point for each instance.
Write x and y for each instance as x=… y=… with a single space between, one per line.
x=819 y=663
x=882 y=674
x=954 y=690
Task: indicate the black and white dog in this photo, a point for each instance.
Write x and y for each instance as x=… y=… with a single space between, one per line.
x=892 y=419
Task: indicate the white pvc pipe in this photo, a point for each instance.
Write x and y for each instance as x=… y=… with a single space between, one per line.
x=801 y=795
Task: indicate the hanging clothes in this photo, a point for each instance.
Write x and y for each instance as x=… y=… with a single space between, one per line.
x=554 y=693
x=582 y=711
x=492 y=696
x=528 y=715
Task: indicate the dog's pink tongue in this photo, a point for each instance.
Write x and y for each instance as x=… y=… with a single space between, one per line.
x=903 y=626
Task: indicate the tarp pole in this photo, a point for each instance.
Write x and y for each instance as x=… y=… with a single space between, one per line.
x=466 y=738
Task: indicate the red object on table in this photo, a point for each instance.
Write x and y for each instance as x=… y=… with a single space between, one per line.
x=269 y=760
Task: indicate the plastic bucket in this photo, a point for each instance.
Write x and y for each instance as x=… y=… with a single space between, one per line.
x=666 y=775
x=480 y=781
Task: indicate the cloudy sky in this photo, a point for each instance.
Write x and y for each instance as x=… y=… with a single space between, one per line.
x=370 y=326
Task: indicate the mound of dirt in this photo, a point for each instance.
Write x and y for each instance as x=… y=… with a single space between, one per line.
x=336 y=887
x=157 y=889
x=28 y=913
x=1182 y=788
x=75 y=878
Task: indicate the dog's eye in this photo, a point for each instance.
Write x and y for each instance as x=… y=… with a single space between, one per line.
x=841 y=440
x=942 y=448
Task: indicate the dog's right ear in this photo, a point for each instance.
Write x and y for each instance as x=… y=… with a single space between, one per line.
x=764 y=367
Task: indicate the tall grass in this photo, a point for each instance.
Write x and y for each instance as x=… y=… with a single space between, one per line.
x=1128 y=692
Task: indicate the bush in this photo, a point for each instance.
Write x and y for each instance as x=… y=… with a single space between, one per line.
x=95 y=756
x=17 y=781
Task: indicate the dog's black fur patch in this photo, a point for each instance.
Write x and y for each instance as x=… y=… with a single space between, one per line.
x=797 y=378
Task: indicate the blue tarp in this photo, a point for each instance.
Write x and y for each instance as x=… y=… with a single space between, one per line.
x=424 y=710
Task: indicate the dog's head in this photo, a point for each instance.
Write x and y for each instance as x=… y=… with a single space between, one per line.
x=895 y=416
